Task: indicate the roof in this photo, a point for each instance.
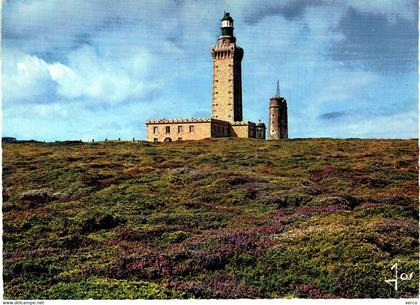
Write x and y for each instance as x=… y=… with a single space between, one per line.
x=227 y=17
x=185 y=120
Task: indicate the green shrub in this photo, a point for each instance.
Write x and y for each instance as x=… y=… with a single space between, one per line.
x=174 y=237
x=102 y=288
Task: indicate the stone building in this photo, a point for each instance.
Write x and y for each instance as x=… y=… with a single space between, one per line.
x=260 y=130
x=226 y=119
x=277 y=117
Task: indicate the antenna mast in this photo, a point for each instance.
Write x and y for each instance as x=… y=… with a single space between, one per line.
x=278 y=89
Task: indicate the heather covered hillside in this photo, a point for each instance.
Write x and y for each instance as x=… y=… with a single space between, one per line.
x=312 y=218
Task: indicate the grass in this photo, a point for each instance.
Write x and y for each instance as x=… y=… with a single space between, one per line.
x=304 y=218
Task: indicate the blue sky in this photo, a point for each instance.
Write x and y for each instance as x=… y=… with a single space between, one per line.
x=85 y=69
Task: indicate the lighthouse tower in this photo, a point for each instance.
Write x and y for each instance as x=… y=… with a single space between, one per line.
x=227 y=80
x=277 y=117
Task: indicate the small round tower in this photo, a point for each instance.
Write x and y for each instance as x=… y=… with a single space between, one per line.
x=277 y=117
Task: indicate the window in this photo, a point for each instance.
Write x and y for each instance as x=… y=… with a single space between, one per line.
x=155 y=129
x=226 y=24
x=155 y=140
x=168 y=129
x=179 y=129
x=191 y=128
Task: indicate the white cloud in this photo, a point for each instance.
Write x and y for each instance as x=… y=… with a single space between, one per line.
x=88 y=75
x=102 y=78
x=26 y=78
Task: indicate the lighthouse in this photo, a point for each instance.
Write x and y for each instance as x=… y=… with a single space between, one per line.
x=227 y=79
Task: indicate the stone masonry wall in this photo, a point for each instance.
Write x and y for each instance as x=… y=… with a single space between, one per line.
x=201 y=130
x=240 y=131
x=227 y=82
x=220 y=129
